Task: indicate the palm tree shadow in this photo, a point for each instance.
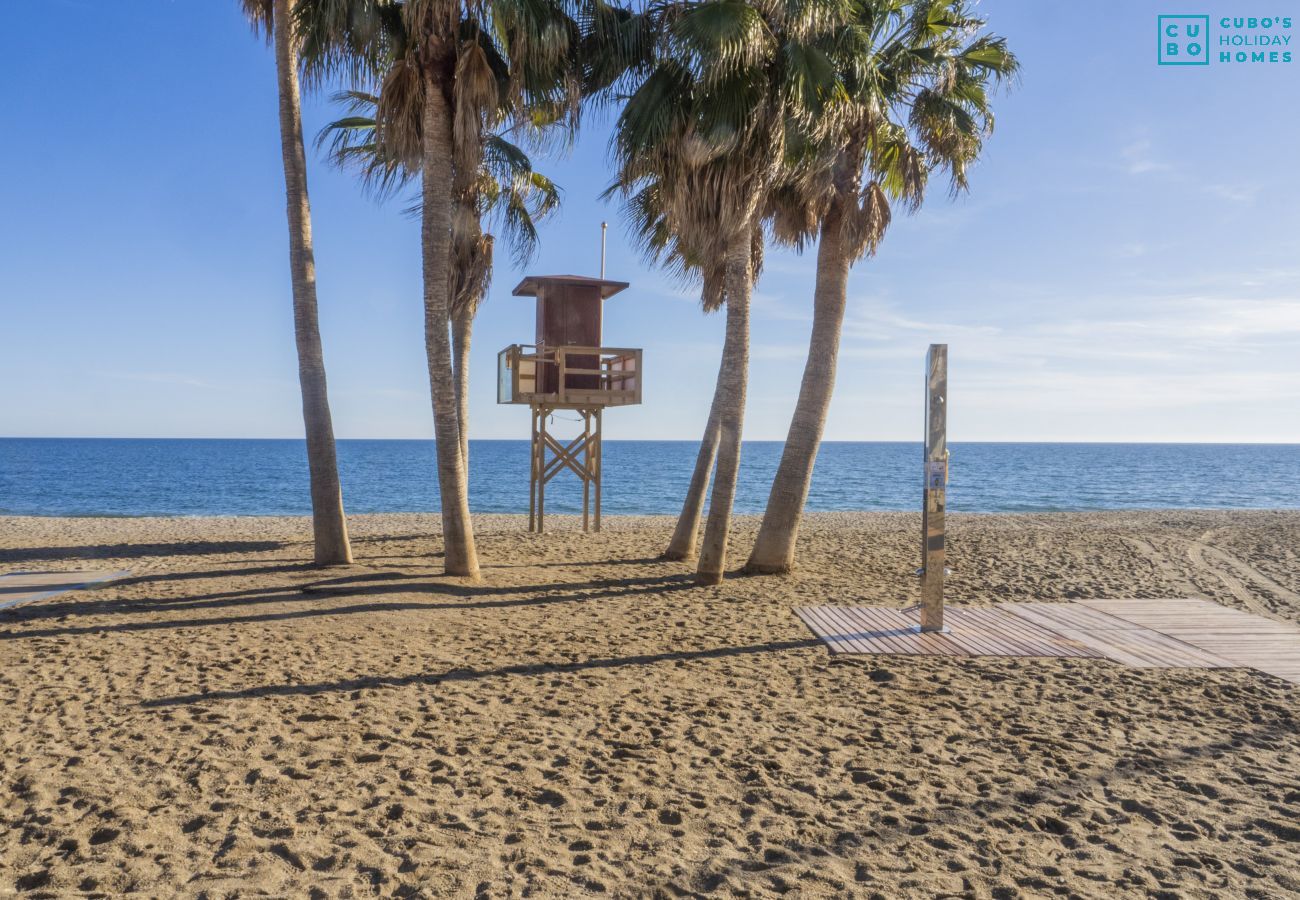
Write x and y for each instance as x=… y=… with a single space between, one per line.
x=136 y=551
x=206 y=574
x=459 y=597
x=357 y=584
x=457 y=675
x=581 y=564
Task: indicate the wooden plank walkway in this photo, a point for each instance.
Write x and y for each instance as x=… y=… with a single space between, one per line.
x=1116 y=638
x=974 y=631
x=1242 y=638
x=18 y=588
x=1197 y=634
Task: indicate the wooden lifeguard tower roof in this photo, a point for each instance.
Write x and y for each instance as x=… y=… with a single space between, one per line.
x=533 y=283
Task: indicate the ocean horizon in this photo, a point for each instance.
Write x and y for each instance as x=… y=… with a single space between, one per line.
x=268 y=476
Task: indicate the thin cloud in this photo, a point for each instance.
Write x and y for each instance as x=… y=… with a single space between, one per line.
x=1165 y=353
x=773 y=307
x=878 y=321
x=1235 y=193
x=1137 y=158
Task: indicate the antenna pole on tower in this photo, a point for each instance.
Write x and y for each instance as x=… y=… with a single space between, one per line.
x=604 y=226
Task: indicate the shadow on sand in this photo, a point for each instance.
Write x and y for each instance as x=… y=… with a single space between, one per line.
x=465 y=597
x=529 y=669
x=137 y=551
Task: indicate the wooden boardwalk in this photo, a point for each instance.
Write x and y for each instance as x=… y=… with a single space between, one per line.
x=1241 y=638
x=974 y=631
x=1117 y=638
x=18 y=588
x=1196 y=634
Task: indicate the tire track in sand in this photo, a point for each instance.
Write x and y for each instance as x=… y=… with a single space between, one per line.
x=1162 y=565
x=1200 y=553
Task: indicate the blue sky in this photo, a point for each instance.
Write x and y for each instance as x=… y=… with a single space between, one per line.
x=1125 y=267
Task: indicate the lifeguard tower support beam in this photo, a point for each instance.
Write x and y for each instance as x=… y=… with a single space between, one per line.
x=567 y=369
x=934 y=498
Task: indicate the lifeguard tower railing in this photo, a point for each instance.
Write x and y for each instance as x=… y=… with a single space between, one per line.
x=569 y=376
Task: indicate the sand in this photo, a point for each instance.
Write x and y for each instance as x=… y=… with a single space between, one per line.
x=231 y=722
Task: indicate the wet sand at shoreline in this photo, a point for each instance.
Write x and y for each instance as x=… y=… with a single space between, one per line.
x=230 y=721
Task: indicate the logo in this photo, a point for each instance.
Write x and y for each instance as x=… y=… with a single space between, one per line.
x=1184 y=40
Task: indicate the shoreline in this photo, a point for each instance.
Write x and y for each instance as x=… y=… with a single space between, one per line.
x=614 y=517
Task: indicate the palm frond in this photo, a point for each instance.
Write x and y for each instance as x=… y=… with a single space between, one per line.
x=260 y=15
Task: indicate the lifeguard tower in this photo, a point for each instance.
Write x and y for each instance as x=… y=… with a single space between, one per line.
x=567 y=369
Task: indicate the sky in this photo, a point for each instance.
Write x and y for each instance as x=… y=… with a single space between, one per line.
x=1125 y=266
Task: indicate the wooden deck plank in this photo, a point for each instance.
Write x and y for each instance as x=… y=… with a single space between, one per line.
x=969 y=631
x=892 y=629
x=857 y=635
x=862 y=634
x=1238 y=637
x=1115 y=650
x=855 y=638
x=981 y=627
x=827 y=631
x=1220 y=626
x=973 y=631
x=1180 y=633
x=977 y=645
x=19 y=588
x=1034 y=635
x=1191 y=613
x=1119 y=639
x=897 y=626
x=831 y=632
x=1051 y=615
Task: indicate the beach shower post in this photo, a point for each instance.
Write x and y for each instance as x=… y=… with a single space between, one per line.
x=934 y=497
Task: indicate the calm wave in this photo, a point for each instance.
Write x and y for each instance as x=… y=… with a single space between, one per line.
x=63 y=477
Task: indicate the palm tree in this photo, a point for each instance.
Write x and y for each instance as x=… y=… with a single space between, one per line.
x=711 y=191
x=440 y=65
x=699 y=142
x=329 y=525
x=915 y=79
x=673 y=252
x=682 y=545
x=508 y=195
x=686 y=532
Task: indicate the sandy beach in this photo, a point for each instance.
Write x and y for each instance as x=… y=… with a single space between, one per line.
x=231 y=722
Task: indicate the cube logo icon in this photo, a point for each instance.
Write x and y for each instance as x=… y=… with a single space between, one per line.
x=1183 y=40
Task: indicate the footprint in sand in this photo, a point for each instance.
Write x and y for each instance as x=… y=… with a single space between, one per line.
x=670 y=817
x=103 y=836
x=33 y=880
x=550 y=798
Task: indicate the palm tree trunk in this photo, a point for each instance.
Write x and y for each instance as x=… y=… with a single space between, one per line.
x=682 y=545
x=460 y=556
x=687 y=530
x=462 y=330
x=329 y=525
x=729 y=397
x=774 y=550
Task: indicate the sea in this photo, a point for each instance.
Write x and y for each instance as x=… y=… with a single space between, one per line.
x=148 y=477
